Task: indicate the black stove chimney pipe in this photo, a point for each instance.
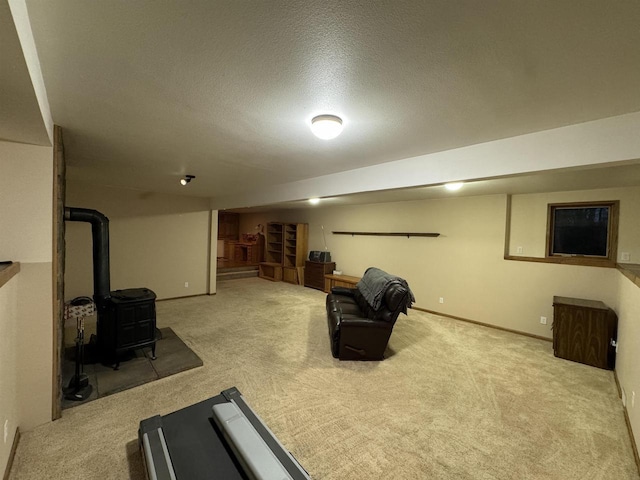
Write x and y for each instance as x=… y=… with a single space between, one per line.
x=100 y=234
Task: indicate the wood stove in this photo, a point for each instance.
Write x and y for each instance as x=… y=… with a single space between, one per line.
x=126 y=318
x=129 y=323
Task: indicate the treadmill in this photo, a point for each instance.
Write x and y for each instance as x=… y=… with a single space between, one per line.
x=218 y=438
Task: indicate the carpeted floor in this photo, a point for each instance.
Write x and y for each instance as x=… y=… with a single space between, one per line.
x=136 y=367
x=452 y=400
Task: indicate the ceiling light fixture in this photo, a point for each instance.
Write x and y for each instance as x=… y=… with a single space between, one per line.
x=453 y=186
x=314 y=201
x=186 y=179
x=326 y=127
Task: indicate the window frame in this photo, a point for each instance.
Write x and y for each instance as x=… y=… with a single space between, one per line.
x=588 y=260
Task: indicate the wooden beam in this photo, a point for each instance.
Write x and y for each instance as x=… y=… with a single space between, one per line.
x=59 y=173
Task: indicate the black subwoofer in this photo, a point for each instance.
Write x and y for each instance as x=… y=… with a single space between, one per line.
x=129 y=322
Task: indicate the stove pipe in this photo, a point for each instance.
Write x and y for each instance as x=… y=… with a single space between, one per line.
x=100 y=233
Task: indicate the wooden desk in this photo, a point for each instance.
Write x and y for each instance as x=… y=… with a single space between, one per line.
x=247 y=252
x=331 y=281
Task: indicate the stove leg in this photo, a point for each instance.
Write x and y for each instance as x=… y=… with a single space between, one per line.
x=153 y=351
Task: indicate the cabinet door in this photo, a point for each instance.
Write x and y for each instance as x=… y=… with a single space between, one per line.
x=581 y=335
x=228 y=226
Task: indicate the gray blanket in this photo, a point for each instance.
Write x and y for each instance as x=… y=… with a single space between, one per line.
x=374 y=283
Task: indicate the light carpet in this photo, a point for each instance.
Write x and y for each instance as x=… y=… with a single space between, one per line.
x=453 y=400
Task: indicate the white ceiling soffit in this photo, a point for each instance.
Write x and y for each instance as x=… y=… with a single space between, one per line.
x=21 y=119
x=224 y=90
x=627 y=175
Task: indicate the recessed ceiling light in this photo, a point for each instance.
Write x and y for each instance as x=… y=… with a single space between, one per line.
x=326 y=127
x=314 y=201
x=453 y=186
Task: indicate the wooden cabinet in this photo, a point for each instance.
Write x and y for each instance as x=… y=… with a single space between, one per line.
x=584 y=331
x=285 y=252
x=314 y=273
x=228 y=226
x=229 y=249
x=270 y=271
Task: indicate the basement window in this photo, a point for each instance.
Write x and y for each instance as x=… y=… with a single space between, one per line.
x=584 y=233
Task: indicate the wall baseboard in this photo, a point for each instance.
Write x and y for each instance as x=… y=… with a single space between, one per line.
x=628 y=422
x=12 y=454
x=482 y=324
x=185 y=296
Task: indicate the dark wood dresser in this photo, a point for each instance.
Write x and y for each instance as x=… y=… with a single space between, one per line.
x=584 y=331
x=314 y=273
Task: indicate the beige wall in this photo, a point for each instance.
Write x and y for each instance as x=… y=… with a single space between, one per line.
x=627 y=360
x=529 y=219
x=26 y=310
x=9 y=402
x=26 y=188
x=249 y=222
x=156 y=241
x=35 y=344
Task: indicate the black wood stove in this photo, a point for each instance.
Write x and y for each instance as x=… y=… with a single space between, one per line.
x=130 y=323
x=126 y=318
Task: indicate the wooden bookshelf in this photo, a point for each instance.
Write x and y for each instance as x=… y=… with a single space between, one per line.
x=271 y=269
x=295 y=252
x=274 y=243
x=285 y=252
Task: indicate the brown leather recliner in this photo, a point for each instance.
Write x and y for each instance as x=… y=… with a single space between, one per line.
x=361 y=319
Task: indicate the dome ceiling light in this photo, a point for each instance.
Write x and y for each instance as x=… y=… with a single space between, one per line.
x=326 y=127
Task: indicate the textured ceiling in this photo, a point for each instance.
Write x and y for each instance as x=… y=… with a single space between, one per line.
x=225 y=90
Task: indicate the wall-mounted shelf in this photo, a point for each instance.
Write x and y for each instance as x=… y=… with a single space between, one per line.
x=389 y=234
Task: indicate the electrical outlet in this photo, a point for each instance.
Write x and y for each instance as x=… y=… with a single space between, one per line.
x=6 y=430
x=633 y=399
x=441 y=300
x=543 y=320
x=519 y=249
x=625 y=257
x=186 y=284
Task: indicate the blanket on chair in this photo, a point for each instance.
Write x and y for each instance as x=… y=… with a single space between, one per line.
x=374 y=283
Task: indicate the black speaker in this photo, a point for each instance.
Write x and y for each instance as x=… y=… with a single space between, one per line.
x=319 y=256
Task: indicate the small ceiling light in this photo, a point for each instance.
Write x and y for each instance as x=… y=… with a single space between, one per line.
x=314 y=201
x=186 y=179
x=453 y=186
x=326 y=127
